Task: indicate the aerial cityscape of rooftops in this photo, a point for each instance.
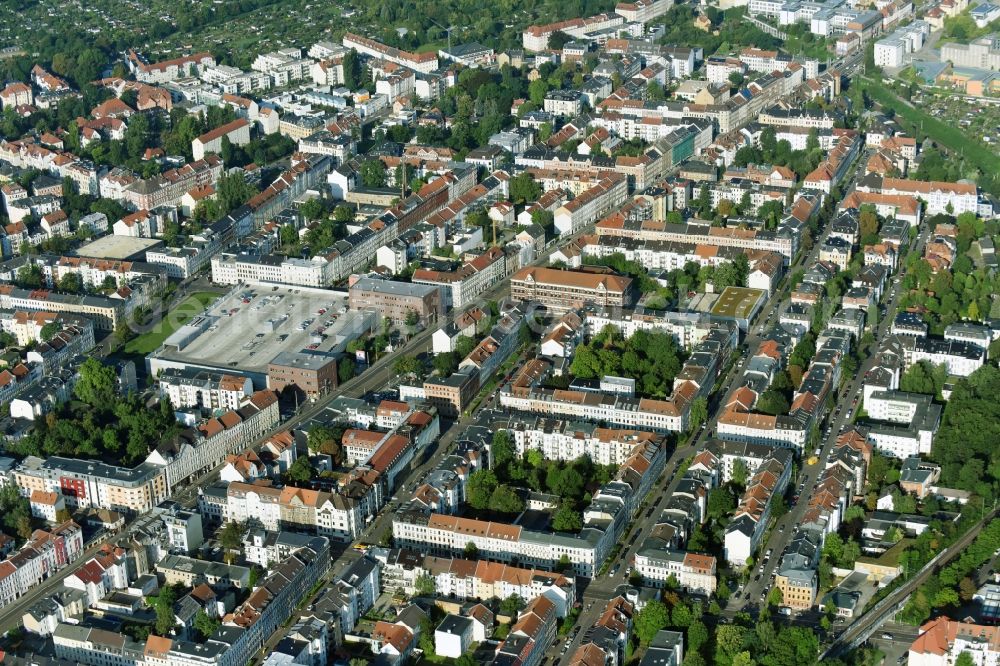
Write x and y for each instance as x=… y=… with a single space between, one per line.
x=527 y=333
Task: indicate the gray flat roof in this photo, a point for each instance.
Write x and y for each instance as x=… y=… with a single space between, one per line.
x=117 y=247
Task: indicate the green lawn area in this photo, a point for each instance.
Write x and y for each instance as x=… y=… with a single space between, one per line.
x=192 y=305
x=922 y=123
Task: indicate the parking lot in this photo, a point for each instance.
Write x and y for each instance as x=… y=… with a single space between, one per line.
x=254 y=324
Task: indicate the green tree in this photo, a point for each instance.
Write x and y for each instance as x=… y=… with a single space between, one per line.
x=424 y=586
x=697 y=636
x=49 y=330
x=775 y=597
x=164 y=607
x=325 y=440
x=16 y=512
x=698 y=413
x=480 y=487
x=501 y=449
x=523 y=188
x=567 y=519
x=373 y=173
x=71 y=283
x=301 y=471
x=312 y=209
x=353 y=71
x=97 y=385
x=729 y=640
x=512 y=605
x=408 y=365
x=231 y=539
x=471 y=551
x=965 y=659
x=464 y=346
x=681 y=616
x=772 y=402
x=343 y=214
x=649 y=620
x=505 y=500
x=233 y=191
x=29 y=275
x=412 y=319
x=741 y=473
x=445 y=364
x=345 y=370
x=205 y=625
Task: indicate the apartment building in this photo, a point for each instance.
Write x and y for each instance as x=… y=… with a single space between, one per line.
x=642 y=11
x=420 y=527
x=938 y=197
x=687 y=328
x=530 y=636
x=448 y=535
x=183 y=262
x=626 y=412
x=395 y=301
x=451 y=395
x=462 y=286
x=326 y=514
x=762 y=61
x=942 y=641
x=240 y=637
x=169 y=70
x=229 y=268
x=104 y=311
x=493 y=350
x=45 y=553
x=695 y=573
x=593 y=204
x=203 y=389
x=207 y=445
x=832 y=171
x=779 y=117
x=418 y=62
x=796 y=576
x=90 y=483
x=475 y=579
x=696 y=378
x=784 y=240
x=567 y=290
x=745 y=530
x=981 y=53
x=169 y=187
x=536 y=37
x=311 y=374
x=960 y=358
x=568 y=440
x=904 y=423
x=237 y=131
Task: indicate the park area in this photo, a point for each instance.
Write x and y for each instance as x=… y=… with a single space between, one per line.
x=151 y=340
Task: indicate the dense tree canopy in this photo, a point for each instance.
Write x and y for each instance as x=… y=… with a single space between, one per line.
x=652 y=359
